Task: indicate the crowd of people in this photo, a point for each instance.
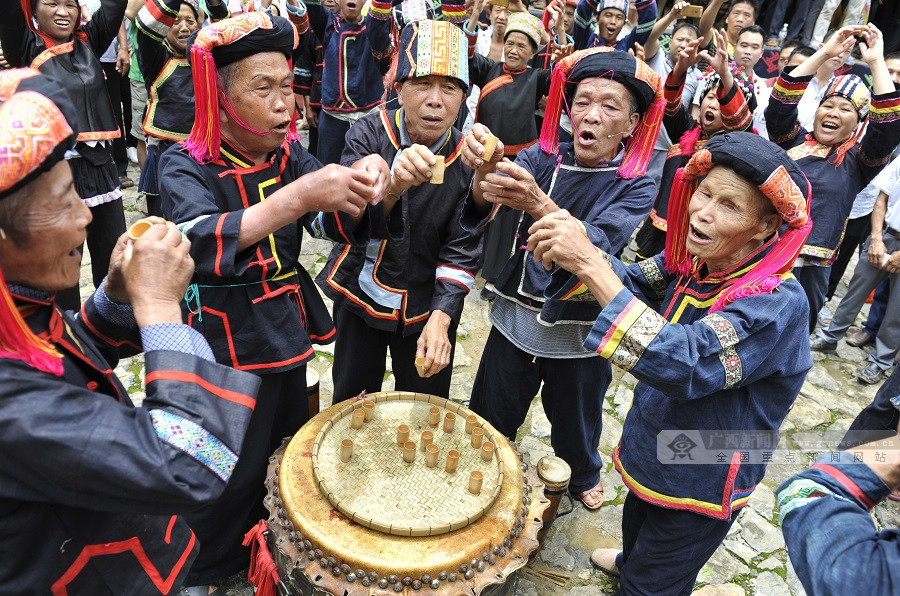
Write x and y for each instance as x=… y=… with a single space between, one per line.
x=528 y=143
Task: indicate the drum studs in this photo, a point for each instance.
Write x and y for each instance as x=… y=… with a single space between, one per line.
x=365 y=582
x=463 y=568
x=514 y=533
x=373 y=577
x=451 y=577
x=398 y=587
x=496 y=550
x=492 y=560
x=426 y=579
x=470 y=574
x=407 y=581
x=311 y=556
x=323 y=562
x=435 y=584
x=480 y=566
x=485 y=556
x=351 y=577
x=526 y=500
x=335 y=571
x=507 y=542
x=417 y=584
x=502 y=552
x=473 y=563
x=393 y=579
x=524 y=467
x=442 y=576
x=382 y=583
x=345 y=569
x=527 y=489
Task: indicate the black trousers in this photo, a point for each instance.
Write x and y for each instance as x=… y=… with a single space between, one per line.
x=857 y=231
x=508 y=379
x=879 y=419
x=664 y=549
x=114 y=88
x=281 y=409
x=359 y=359
x=814 y=281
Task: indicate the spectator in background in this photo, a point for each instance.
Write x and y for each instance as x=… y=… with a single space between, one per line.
x=880 y=258
x=853 y=17
x=777 y=14
x=815 y=91
x=837 y=163
x=783 y=56
x=36 y=33
x=741 y=13
x=610 y=17
x=357 y=54
x=747 y=52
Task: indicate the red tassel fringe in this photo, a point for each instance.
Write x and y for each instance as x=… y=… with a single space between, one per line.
x=263 y=571
x=639 y=147
x=553 y=110
x=678 y=260
x=18 y=341
x=203 y=142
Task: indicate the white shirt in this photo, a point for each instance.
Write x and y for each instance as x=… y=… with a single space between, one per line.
x=762 y=91
x=888 y=182
x=482 y=47
x=809 y=103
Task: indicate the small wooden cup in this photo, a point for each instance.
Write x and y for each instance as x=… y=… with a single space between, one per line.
x=452 y=461
x=490 y=143
x=358 y=418
x=427 y=439
x=409 y=452
x=449 y=422
x=431 y=455
x=477 y=437
x=475 y=479
x=434 y=416
x=471 y=423
x=368 y=410
x=346 y=450
x=437 y=170
x=402 y=434
x=420 y=366
x=487 y=451
x=138 y=228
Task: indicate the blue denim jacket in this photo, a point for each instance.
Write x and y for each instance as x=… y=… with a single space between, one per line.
x=833 y=543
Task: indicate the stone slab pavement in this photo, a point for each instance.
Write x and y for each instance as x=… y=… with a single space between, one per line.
x=752 y=560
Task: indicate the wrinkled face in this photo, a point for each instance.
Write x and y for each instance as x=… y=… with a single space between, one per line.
x=518 y=49
x=601 y=107
x=836 y=119
x=728 y=219
x=710 y=113
x=57 y=18
x=748 y=49
x=260 y=91
x=609 y=22
x=784 y=56
x=679 y=41
x=430 y=106
x=185 y=24
x=351 y=10
x=893 y=66
x=569 y=18
x=49 y=258
x=741 y=15
x=499 y=15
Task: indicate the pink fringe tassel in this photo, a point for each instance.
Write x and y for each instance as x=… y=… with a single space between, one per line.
x=203 y=142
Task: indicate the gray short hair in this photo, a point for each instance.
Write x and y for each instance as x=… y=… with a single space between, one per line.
x=13 y=209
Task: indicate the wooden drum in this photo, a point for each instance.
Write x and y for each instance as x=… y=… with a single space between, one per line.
x=365 y=500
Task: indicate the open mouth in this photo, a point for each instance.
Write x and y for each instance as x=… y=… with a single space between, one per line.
x=282 y=128
x=830 y=126
x=709 y=117
x=62 y=23
x=587 y=137
x=698 y=235
x=351 y=6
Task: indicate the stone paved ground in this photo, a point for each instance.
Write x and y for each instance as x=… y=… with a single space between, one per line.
x=753 y=559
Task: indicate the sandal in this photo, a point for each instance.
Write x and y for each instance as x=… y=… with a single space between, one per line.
x=592 y=499
x=125 y=182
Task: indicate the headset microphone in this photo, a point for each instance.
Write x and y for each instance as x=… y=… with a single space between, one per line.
x=617 y=134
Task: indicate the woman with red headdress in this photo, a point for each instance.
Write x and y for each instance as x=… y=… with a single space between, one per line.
x=48 y=35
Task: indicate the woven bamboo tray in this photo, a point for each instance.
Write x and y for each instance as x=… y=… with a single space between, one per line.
x=379 y=490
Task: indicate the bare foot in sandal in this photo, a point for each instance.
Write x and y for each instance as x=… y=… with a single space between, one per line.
x=593 y=498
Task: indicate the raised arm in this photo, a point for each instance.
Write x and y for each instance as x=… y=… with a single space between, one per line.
x=662 y=23
x=708 y=20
